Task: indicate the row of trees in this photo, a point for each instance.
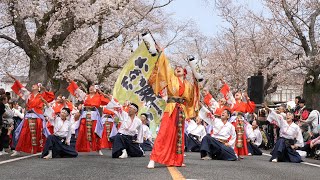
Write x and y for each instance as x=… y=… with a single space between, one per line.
x=92 y=39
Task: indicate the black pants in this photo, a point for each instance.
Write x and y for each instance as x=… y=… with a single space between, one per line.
x=194 y=144
x=283 y=151
x=254 y=149
x=4 y=139
x=121 y=142
x=310 y=151
x=216 y=150
x=146 y=145
x=58 y=147
x=17 y=122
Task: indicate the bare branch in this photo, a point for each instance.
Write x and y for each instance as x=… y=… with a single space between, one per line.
x=44 y=22
x=10 y=39
x=302 y=38
x=5 y=26
x=22 y=35
x=312 y=37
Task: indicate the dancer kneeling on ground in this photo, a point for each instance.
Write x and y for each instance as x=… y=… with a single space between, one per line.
x=220 y=144
x=127 y=141
x=254 y=138
x=290 y=138
x=196 y=131
x=58 y=144
x=147 y=135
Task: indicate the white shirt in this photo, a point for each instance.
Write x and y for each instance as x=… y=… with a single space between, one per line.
x=249 y=132
x=258 y=137
x=128 y=126
x=62 y=128
x=313 y=121
x=287 y=131
x=74 y=125
x=220 y=130
x=197 y=130
x=17 y=113
x=146 y=132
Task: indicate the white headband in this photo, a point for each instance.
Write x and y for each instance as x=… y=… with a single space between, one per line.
x=64 y=111
x=132 y=106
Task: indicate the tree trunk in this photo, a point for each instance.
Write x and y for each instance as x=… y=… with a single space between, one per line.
x=311 y=90
x=42 y=70
x=60 y=87
x=38 y=72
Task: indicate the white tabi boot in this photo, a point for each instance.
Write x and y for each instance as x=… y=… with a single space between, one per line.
x=150 y=165
x=15 y=153
x=100 y=153
x=49 y=156
x=124 y=154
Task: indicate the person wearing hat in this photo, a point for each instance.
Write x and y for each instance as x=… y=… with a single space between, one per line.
x=28 y=133
x=147 y=135
x=290 y=138
x=58 y=144
x=130 y=134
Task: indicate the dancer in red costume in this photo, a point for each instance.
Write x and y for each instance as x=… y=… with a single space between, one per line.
x=240 y=148
x=244 y=107
x=108 y=125
x=90 y=131
x=31 y=133
x=183 y=98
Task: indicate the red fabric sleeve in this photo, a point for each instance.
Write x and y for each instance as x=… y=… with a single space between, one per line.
x=16 y=87
x=70 y=106
x=207 y=99
x=108 y=112
x=104 y=100
x=72 y=88
x=48 y=96
x=225 y=89
x=251 y=106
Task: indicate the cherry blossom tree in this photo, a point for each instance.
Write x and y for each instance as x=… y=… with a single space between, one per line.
x=89 y=39
x=296 y=24
x=246 y=46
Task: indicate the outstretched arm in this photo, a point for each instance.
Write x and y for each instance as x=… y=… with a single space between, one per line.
x=74 y=89
x=19 y=89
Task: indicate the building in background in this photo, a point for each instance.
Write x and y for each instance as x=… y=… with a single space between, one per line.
x=285 y=94
x=6 y=83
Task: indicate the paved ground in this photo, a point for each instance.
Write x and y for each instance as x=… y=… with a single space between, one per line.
x=92 y=166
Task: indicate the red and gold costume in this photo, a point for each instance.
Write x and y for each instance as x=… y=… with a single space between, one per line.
x=240 y=147
x=107 y=130
x=183 y=98
x=87 y=139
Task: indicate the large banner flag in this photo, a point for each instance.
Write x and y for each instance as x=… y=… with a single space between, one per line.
x=132 y=85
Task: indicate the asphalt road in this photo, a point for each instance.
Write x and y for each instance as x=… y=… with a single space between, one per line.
x=92 y=166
